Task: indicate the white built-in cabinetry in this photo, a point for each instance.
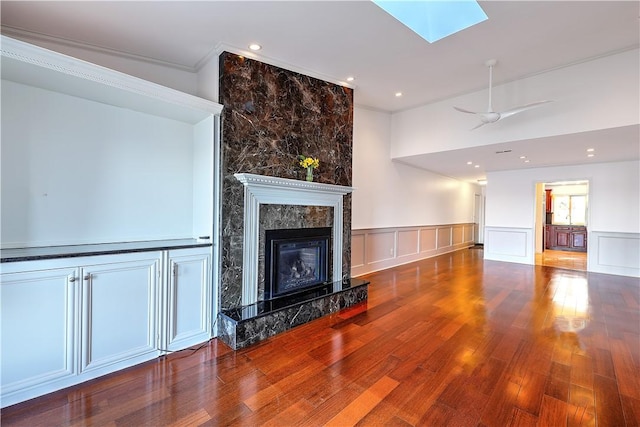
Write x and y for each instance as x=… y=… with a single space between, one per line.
x=68 y=320
x=187 y=299
x=92 y=156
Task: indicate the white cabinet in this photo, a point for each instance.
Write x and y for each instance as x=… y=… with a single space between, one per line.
x=118 y=314
x=69 y=320
x=188 y=298
x=37 y=317
x=148 y=142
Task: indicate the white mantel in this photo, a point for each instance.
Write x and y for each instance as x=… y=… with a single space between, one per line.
x=261 y=189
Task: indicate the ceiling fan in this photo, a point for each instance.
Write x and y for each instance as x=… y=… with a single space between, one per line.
x=491 y=116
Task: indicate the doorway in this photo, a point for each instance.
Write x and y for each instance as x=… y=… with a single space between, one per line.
x=562 y=224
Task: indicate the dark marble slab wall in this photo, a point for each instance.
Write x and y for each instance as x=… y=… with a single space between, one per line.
x=270 y=117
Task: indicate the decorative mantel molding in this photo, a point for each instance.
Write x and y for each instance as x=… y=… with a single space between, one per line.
x=261 y=189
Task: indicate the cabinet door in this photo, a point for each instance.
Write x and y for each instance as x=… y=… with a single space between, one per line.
x=188 y=298
x=579 y=240
x=563 y=237
x=37 y=315
x=547 y=237
x=119 y=314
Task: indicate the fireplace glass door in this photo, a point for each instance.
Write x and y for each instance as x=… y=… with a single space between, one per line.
x=295 y=260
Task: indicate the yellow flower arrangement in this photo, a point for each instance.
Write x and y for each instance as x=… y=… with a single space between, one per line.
x=309 y=162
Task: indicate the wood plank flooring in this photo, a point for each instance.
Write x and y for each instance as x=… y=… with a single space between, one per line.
x=452 y=340
x=563 y=259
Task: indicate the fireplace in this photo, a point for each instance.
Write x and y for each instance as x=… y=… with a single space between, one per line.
x=296 y=260
x=261 y=316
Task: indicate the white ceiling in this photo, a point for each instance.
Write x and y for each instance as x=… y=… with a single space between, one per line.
x=337 y=39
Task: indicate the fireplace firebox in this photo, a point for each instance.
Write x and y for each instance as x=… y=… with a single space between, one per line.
x=296 y=260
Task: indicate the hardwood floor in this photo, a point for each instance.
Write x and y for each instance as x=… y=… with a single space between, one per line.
x=452 y=340
x=563 y=259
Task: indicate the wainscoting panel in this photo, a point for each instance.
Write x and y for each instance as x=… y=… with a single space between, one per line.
x=458 y=234
x=428 y=240
x=614 y=253
x=389 y=247
x=468 y=232
x=381 y=246
x=357 y=250
x=444 y=237
x=509 y=244
x=408 y=242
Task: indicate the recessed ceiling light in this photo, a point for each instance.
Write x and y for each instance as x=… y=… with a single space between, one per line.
x=590 y=155
x=350 y=78
x=476 y=166
x=523 y=157
x=469 y=163
x=398 y=94
x=255 y=46
x=526 y=161
x=590 y=150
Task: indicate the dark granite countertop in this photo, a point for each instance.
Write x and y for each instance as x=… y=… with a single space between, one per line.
x=51 y=252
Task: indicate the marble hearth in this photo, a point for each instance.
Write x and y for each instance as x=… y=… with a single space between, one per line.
x=247 y=325
x=256 y=320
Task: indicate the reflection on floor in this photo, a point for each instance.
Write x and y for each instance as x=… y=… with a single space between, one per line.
x=563 y=259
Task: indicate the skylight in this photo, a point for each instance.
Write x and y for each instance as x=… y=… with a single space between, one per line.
x=434 y=19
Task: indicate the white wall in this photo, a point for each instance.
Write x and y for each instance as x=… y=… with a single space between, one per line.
x=613 y=217
x=614 y=199
x=208 y=80
x=390 y=194
x=77 y=171
x=540 y=216
x=599 y=94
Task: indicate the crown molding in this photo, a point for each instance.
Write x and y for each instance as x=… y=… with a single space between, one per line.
x=32 y=36
x=30 y=64
x=223 y=47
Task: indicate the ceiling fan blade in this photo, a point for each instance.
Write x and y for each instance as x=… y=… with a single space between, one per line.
x=462 y=110
x=491 y=116
x=478 y=125
x=522 y=108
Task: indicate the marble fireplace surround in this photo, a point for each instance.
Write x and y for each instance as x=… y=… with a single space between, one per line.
x=261 y=189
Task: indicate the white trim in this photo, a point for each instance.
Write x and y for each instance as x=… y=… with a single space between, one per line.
x=509 y=244
x=260 y=189
x=34 y=36
x=91 y=81
x=371 y=251
x=614 y=253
